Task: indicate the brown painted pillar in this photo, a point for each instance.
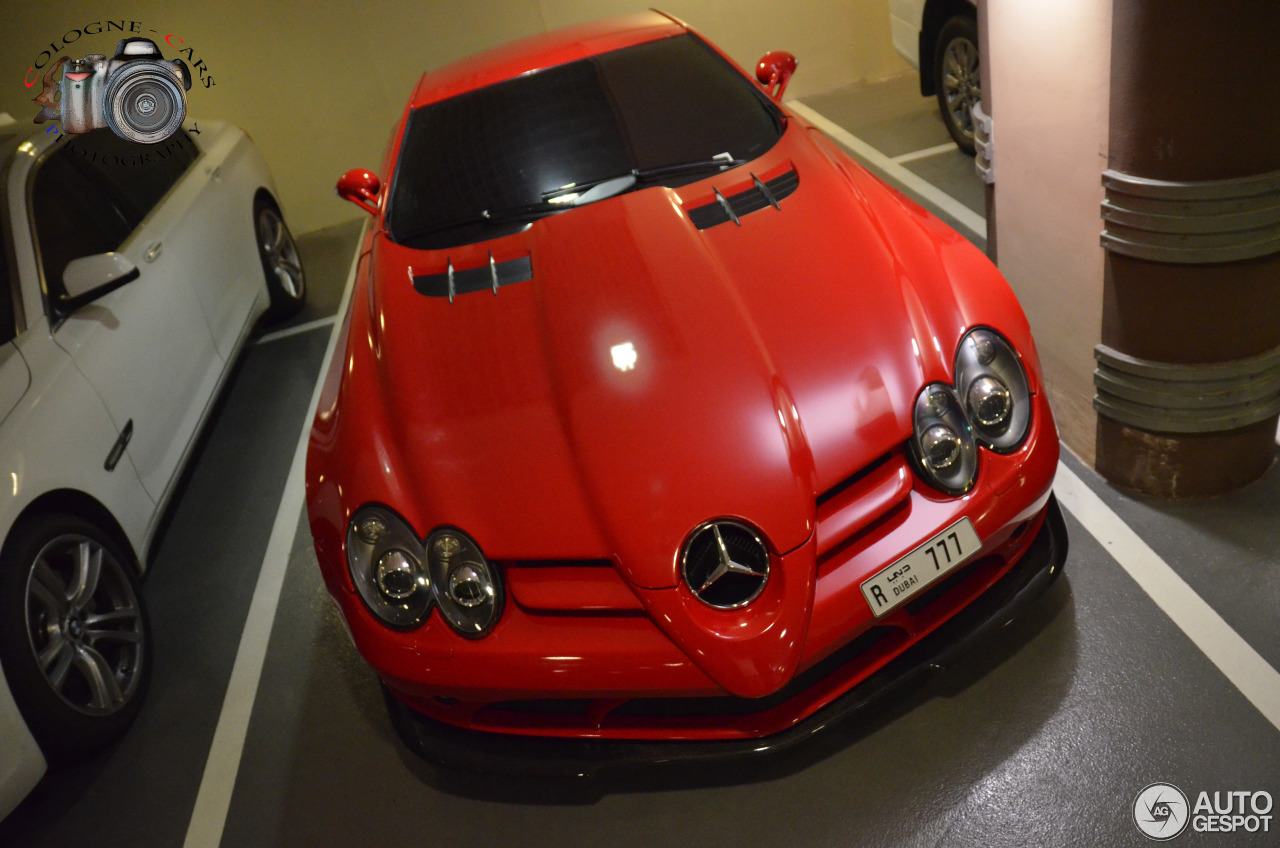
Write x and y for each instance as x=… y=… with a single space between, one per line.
x=1188 y=372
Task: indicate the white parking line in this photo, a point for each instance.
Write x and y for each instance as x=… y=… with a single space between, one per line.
x=903 y=159
x=971 y=220
x=296 y=330
x=1207 y=630
x=209 y=816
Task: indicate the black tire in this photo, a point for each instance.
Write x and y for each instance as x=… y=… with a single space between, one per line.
x=281 y=265
x=78 y=662
x=955 y=78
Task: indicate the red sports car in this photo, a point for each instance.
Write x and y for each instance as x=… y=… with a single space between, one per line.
x=657 y=424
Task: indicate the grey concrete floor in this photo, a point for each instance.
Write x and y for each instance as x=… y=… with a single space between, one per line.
x=1044 y=737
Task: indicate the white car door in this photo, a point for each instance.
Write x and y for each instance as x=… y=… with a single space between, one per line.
x=145 y=347
x=206 y=223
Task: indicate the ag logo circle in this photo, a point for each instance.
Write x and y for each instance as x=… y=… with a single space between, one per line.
x=1161 y=811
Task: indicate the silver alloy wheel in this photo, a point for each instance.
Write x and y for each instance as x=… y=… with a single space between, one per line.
x=85 y=625
x=961 y=85
x=280 y=254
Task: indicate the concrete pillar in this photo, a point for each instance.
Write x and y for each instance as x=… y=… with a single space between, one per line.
x=1046 y=82
x=1188 y=369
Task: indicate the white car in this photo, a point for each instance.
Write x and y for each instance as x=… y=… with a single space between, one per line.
x=130 y=277
x=940 y=39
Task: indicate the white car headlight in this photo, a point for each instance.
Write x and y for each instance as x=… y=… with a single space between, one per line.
x=992 y=386
x=400 y=578
x=388 y=566
x=468 y=589
x=944 y=448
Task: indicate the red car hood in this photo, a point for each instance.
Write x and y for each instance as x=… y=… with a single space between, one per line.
x=652 y=376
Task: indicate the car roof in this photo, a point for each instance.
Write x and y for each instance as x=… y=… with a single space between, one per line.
x=542 y=51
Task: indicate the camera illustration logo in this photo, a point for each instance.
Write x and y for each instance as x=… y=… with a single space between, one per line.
x=1161 y=811
x=136 y=93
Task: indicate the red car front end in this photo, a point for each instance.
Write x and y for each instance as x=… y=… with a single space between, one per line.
x=691 y=461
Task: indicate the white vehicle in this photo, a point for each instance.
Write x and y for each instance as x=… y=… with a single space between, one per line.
x=130 y=277
x=940 y=39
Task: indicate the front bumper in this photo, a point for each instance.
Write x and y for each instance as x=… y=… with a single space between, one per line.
x=480 y=751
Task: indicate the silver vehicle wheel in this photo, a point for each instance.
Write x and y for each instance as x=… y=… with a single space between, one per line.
x=74 y=638
x=958 y=83
x=84 y=623
x=280 y=261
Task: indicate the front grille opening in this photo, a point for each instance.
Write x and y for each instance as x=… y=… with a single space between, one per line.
x=726 y=705
x=855 y=479
x=544 y=706
x=877 y=529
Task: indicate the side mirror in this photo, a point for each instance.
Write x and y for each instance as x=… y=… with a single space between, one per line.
x=774 y=70
x=90 y=277
x=361 y=187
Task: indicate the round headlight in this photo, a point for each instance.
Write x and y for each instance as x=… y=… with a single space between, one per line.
x=468 y=588
x=388 y=567
x=989 y=402
x=993 y=384
x=397 y=575
x=944 y=449
x=941 y=447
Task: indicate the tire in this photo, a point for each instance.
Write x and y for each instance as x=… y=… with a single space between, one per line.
x=77 y=661
x=286 y=281
x=955 y=78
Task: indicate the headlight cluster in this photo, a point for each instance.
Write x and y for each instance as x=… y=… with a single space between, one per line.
x=401 y=578
x=990 y=404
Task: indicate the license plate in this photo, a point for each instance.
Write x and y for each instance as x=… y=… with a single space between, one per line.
x=898 y=583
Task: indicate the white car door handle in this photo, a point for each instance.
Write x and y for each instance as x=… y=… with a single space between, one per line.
x=153 y=251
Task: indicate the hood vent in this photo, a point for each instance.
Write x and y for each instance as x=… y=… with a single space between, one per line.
x=455 y=281
x=731 y=208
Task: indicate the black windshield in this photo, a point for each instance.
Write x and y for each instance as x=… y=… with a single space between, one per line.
x=510 y=145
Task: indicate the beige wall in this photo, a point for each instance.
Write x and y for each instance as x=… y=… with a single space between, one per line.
x=1050 y=69
x=318 y=85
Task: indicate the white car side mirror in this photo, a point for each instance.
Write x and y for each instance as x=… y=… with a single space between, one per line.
x=88 y=273
x=90 y=277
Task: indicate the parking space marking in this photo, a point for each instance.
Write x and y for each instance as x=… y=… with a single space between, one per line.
x=209 y=816
x=296 y=330
x=971 y=220
x=949 y=147
x=1226 y=649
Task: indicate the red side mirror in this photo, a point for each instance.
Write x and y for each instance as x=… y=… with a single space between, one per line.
x=361 y=187
x=773 y=71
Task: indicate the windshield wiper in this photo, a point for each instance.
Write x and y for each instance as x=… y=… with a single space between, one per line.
x=578 y=194
x=719 y=162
